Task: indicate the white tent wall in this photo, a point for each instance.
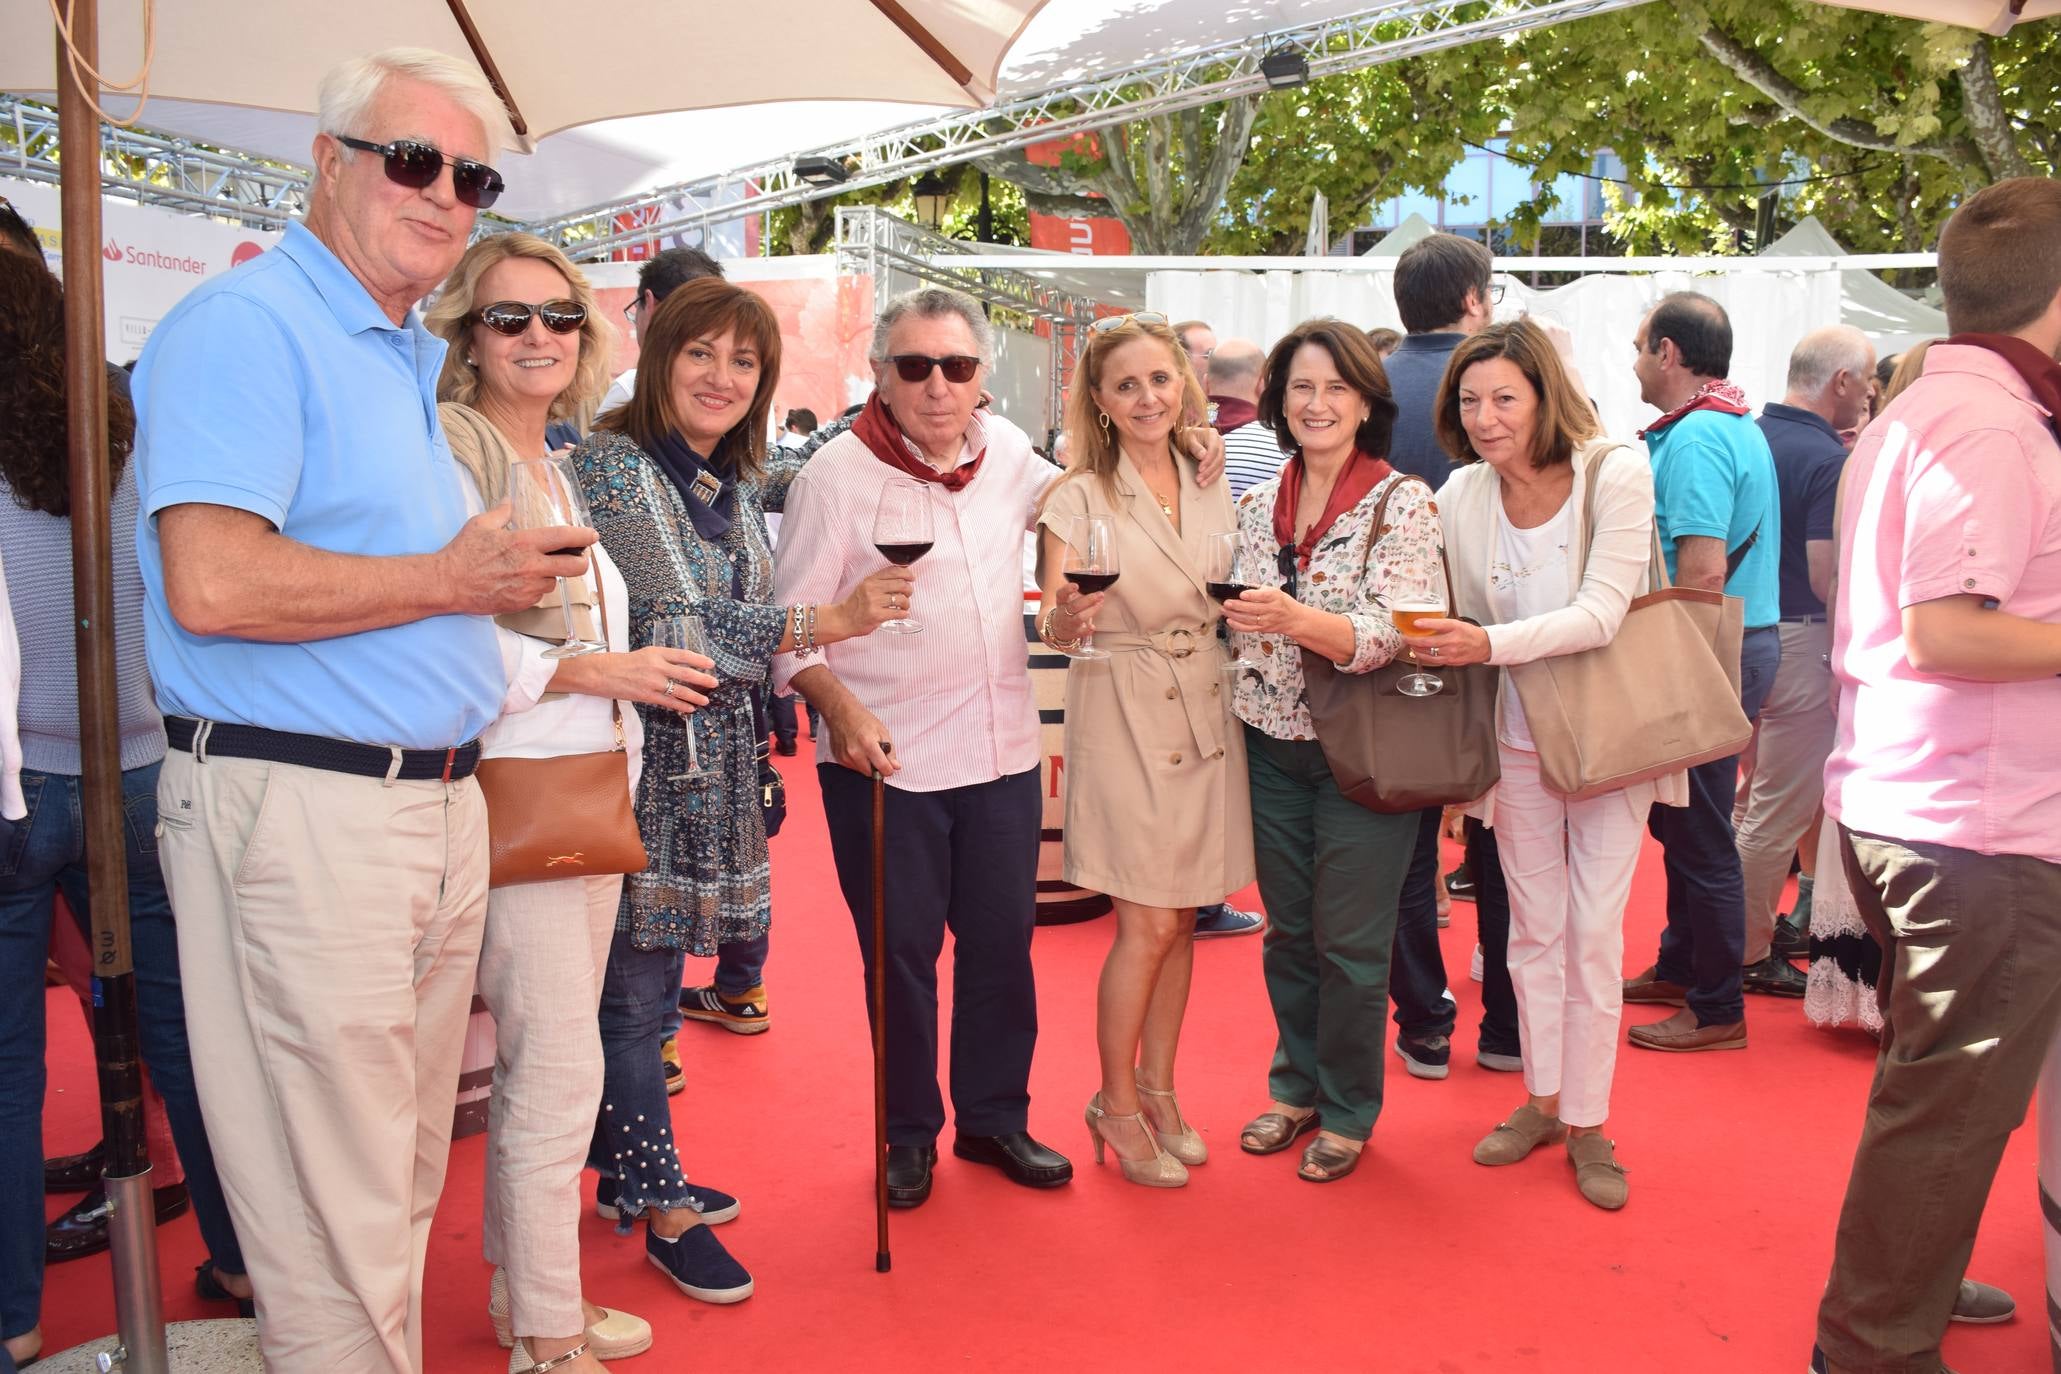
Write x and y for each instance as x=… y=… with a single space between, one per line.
x=1770 y=311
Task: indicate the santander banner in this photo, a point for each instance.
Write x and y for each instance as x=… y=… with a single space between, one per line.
x=151 y=257
x=1090 y=236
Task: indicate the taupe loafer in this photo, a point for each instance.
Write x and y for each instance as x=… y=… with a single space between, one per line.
x=1525 y=1131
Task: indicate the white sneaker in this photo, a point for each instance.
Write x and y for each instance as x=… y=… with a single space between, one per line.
x=1474 y=965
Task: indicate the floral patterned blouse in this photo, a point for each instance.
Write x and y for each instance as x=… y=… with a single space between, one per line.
x=709 y=881
x=1407 y=564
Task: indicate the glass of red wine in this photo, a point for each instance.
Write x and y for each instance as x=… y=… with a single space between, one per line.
x=544 y=495
x=901 y=531
x=1221 y=577
x=1092 y=564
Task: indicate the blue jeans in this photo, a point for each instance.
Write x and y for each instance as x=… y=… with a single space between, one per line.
x=1424 y=1009
x=633 y=1141
x=41 y=855
x=1704 y=945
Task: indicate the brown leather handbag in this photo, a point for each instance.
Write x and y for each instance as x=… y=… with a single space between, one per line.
x=565 y=817
x=1394 y=753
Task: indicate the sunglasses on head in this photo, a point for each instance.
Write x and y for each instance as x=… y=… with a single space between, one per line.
x=415 y=164
x=513 y=317
x=915 y=367
x=1109 y=322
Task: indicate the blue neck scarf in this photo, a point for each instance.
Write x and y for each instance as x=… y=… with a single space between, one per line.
x=710 y=497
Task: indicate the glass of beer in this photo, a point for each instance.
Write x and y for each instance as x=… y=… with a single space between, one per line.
x=1419 y=683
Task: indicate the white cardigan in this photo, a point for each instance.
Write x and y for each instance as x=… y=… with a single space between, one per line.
x=1617 y=567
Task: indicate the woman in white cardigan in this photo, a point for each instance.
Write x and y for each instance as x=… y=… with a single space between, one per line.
x=1515 y=516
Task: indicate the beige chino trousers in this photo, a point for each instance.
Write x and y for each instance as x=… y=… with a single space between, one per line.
x=329 y=928
x=1788 y=784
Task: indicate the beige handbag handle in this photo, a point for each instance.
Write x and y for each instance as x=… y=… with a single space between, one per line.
x=1656 y=560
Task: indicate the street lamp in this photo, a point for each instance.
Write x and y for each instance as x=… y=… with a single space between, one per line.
x=933 y=196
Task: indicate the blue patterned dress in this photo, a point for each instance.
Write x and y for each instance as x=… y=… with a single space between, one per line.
x=709 y=881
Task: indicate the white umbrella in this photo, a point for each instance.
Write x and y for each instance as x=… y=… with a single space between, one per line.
x=1319 y=241
x=557 y=65
x=1990 y=16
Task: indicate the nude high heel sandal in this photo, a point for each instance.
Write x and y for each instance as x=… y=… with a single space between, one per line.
x=1160 y=1171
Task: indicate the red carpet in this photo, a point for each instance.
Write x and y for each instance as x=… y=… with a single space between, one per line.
x=1422 y=1261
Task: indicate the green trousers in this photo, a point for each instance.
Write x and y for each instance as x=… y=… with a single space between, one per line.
x=1329 y=872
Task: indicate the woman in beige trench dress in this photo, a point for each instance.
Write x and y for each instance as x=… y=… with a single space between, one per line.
x=1157 y=810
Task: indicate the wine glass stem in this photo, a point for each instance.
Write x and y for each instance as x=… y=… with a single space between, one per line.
x=693 y=755
x=572 y=638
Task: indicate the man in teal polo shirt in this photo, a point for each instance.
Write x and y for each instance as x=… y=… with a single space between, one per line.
x=316 y=619
x=1720 y=525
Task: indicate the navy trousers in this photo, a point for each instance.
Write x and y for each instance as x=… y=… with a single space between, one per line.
x=966 y=859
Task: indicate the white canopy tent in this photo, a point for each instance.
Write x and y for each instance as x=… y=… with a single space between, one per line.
x=1892 y=319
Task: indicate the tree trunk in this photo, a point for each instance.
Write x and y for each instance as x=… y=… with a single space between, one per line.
x=1988 y=122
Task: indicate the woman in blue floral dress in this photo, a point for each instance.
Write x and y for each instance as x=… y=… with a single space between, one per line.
x=678 y=481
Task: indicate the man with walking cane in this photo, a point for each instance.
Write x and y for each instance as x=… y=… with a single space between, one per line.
x=946 y=718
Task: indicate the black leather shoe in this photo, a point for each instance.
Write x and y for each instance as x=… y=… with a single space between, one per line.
x=212 y=1289
x=786 y=745
x=75 y=1173
x=908 y=1174
x=1017 y=1155
x=1775 y=977
x=82 y=1230
x=1790 y=941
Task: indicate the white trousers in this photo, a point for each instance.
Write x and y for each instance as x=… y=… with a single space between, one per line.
x=540 y=968
x=329 y=927
x=1568 y=866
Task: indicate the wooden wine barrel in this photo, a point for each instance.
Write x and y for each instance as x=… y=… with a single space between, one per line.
x=1060 y=903
x=475 y=1074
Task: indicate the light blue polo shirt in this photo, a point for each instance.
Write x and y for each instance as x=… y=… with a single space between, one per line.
x=1713 y=476
x=282 y=388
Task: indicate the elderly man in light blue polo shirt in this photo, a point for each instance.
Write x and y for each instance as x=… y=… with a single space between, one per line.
x=317 y=604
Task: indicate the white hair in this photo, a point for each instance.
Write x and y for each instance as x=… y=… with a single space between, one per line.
x=351 y=86
x=934 y=303
x=1823 y=353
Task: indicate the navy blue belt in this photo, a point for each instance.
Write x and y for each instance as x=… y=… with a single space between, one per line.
x=316 y=751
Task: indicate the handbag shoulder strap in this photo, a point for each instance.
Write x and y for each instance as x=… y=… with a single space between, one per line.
x=601 y=605
x=1381 y=514
x=1656 y=558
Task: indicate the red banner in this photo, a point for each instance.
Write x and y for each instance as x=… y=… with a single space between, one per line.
x=1090 y=237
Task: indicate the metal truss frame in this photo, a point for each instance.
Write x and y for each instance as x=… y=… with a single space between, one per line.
x=1385 y=32
x=157 y=169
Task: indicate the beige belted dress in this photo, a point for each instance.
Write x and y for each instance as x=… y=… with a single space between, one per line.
x=1157 y=810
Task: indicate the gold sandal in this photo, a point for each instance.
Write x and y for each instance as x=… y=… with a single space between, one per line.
x=1334 y=1161
x=1273 y=1132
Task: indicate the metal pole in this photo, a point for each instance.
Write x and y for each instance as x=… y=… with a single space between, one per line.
x=132 y=1229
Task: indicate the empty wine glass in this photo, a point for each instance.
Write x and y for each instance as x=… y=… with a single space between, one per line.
x=1092 y=564
x=1220 y=575
x=901 y=531
x=543 y=495
x=685 y=632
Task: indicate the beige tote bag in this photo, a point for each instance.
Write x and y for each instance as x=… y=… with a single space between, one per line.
x=1660 y=697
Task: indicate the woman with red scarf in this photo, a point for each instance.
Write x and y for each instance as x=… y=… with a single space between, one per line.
x=1323 y=577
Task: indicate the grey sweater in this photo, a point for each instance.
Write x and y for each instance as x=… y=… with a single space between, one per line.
x=38 y=557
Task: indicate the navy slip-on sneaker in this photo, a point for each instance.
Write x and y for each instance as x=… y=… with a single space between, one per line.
x=698 y=1265
x=714 y=1205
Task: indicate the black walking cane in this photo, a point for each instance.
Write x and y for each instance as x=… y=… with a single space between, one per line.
x=882 y=1260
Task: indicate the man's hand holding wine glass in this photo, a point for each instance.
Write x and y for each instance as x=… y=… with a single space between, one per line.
x=882 y=597
x=493 y=570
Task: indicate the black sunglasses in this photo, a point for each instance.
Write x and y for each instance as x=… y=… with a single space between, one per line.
x=415 y=164
x=513 y=317
x=915 y=367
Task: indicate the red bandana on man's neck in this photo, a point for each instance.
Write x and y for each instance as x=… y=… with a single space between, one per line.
x=2041 y=372
x=877 y=428
x=1360 y=475
x=1233 y=413
x=1716 y=394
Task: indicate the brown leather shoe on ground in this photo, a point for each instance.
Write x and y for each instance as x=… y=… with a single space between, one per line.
x=1526 y=1130
x=1596 y=1170
x=1680 y=1034
x=1649 y=987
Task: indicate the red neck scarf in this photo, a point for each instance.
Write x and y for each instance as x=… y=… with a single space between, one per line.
x=876 y=426
x=2040 y=372
x=1361 y=475
x=1233 y=413
x=1716 y=394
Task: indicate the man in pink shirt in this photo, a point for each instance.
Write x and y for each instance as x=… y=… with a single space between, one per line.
x=1945 y=778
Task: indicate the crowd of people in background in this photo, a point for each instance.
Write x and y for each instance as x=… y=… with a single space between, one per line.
x=368 y=558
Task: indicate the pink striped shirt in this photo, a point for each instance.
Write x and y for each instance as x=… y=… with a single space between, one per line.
x=956 y=699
